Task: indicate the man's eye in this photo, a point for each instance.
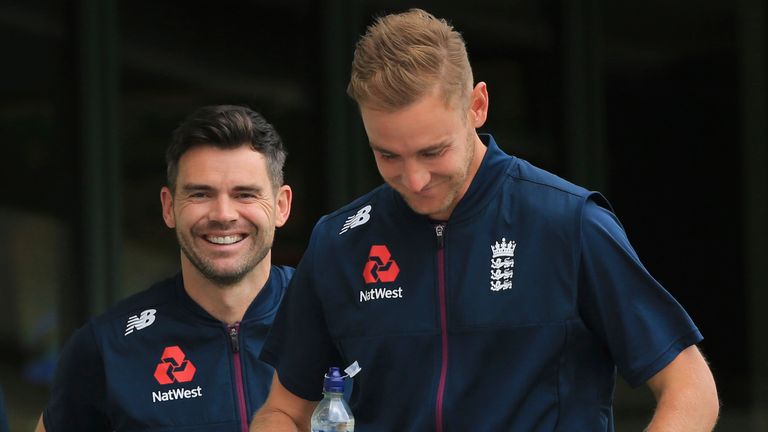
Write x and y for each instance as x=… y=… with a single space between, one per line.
x=387 y=156
x=197 y=195
x=432 y=154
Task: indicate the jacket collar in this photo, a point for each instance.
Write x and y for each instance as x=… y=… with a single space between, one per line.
x=263 y=306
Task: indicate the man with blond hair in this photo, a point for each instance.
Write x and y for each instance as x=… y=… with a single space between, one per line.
x=476 y=291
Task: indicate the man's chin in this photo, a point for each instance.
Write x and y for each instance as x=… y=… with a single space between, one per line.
x=222 y=275
x=424 y=209
x=225 y=279
x=420 y=209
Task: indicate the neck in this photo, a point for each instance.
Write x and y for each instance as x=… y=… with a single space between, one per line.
x=225 y=303
x=477 y=160
x=479 y=150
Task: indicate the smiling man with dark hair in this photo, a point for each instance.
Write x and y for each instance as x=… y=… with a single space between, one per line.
x=183 y=355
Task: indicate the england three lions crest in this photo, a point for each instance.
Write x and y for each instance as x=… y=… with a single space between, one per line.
x=502 y=264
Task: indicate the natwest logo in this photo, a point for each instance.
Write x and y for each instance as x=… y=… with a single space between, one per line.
x=380 y=266
x=174 y=367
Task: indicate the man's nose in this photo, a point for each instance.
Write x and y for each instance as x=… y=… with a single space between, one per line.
x=415 y=176
x=223 y=210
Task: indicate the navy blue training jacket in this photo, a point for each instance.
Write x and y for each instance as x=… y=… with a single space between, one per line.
x=158 y=362
x=513 y=315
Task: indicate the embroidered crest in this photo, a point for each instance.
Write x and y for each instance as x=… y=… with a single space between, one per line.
x=502 y=264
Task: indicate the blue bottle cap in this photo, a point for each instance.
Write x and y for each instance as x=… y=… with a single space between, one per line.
x=334 y=381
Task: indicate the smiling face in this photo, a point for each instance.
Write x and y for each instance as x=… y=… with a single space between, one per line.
x=429 y=151
x=224 y=211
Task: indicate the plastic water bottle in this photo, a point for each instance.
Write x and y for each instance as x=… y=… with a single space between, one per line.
x=332 y=414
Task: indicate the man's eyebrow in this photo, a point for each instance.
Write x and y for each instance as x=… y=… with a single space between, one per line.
x=434 y=147
x=374 y=147
x=194 y=187
x=190 y=187
x=248 y=188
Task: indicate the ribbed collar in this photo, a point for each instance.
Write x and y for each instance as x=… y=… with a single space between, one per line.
x=263 y=306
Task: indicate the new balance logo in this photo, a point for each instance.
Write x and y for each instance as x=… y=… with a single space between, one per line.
x=362 y=216
x=174 y=367
x=138 y=322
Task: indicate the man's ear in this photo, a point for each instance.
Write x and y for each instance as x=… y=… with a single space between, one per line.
x=166 y=199
x=478 y=105
x=283 y=205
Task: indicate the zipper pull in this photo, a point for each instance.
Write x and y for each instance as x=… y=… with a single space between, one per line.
x=439 y=229
x=233 y=338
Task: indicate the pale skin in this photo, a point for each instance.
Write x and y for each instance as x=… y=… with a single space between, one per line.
x=429 y=153
x=225 y=211
x=219 y=194
x=686 y=395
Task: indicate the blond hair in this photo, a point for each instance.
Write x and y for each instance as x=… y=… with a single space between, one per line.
x=405 y=56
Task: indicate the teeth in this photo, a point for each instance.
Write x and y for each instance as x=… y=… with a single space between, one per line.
x=225 y=240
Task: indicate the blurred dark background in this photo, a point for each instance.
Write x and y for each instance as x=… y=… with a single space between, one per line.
x=660 y=105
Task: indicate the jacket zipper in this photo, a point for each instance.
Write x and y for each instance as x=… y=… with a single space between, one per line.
x=234 y=331
x=439 y=232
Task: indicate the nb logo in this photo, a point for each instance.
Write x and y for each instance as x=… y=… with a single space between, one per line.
x=362 y=216
x=174 y=367
x=138 y=322
x=380 y=266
